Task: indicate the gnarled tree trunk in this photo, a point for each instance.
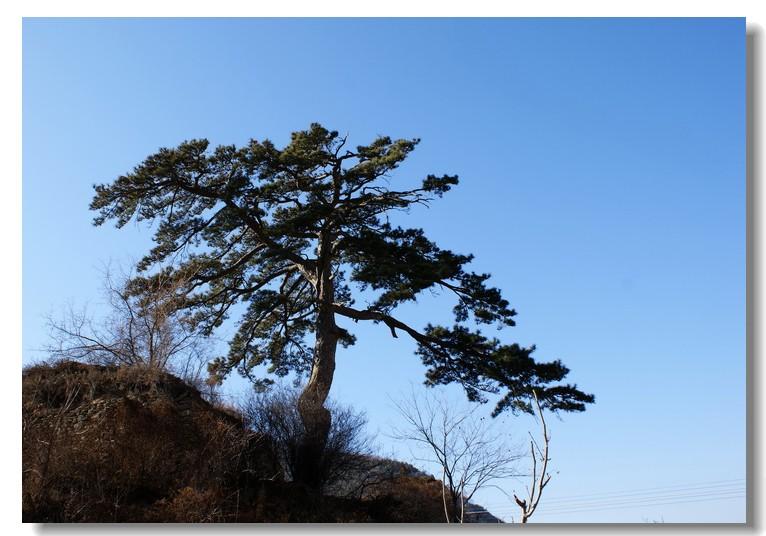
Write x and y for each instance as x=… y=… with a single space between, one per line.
x=316 y=418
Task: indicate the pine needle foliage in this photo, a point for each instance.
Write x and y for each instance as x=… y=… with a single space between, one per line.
x=295 y=233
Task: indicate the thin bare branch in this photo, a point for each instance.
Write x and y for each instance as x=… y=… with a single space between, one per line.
x=467 y=452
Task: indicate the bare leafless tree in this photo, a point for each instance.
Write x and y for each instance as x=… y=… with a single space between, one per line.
x=140 y=328
x=346 y=458
x=538 y=478
x=468 y=452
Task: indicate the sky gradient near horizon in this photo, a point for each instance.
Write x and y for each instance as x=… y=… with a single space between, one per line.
x=602 y=167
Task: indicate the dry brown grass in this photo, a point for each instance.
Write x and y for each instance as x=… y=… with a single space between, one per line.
x=107 y=444
x=110 y=444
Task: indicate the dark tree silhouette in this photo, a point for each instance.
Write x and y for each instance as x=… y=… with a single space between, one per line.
x=288 y=232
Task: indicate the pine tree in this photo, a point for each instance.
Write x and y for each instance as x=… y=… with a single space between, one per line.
x=292 y=233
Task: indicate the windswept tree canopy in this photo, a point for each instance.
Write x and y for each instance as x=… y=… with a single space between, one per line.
x=272 y=228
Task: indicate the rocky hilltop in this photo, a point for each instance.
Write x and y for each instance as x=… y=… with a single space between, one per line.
x=109 y=444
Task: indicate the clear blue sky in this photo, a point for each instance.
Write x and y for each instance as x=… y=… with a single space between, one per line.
x=602 y=167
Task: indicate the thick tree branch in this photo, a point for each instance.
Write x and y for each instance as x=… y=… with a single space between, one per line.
x=390 y=321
